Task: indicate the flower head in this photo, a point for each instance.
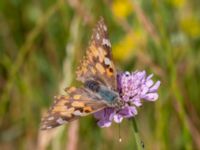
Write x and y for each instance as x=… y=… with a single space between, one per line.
x=132 y=88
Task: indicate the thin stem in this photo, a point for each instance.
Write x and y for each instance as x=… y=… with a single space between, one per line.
x=139 y=143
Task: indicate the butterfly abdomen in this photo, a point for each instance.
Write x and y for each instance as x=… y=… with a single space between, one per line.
x=106 y=94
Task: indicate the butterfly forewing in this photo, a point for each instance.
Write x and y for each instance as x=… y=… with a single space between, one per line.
x=66 y=108
x=98 y=62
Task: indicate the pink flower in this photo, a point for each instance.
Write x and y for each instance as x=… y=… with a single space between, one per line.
x=133 y=88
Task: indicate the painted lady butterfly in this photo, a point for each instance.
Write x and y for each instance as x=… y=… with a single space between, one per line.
x=98 y=75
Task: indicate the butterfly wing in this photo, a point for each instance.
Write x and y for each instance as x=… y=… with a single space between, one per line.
x=98 y=62
x=77 y=103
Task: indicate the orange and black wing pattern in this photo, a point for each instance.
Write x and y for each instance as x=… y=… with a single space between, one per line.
x=77 y=103
x=98 y=63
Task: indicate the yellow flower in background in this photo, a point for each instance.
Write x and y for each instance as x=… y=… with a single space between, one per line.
x=126 y=47
x=121 y=8
x=190 y=25
x=177 y=3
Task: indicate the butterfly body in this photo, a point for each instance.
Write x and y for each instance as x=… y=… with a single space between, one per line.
x=109 y=96
x=98 y=75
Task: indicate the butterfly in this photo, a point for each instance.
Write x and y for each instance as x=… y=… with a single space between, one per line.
x=99 y=90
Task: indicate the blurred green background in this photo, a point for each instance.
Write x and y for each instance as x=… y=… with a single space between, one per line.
x=41 y=43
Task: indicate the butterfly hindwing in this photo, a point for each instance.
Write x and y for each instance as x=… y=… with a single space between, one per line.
x=75 y=104
x=98 y=62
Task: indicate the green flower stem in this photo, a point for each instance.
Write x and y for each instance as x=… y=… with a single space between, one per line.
x=139 y=143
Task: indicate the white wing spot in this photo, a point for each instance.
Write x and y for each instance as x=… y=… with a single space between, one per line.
x=49 y=127
x=97 y=36
x=104 y=27
x=77 y=113
x=107 y=61
x=100 y=25
x=51 y=118
x=106 y=42
x=61 y=121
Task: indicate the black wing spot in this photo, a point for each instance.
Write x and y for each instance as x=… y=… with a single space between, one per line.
x=110 y=69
